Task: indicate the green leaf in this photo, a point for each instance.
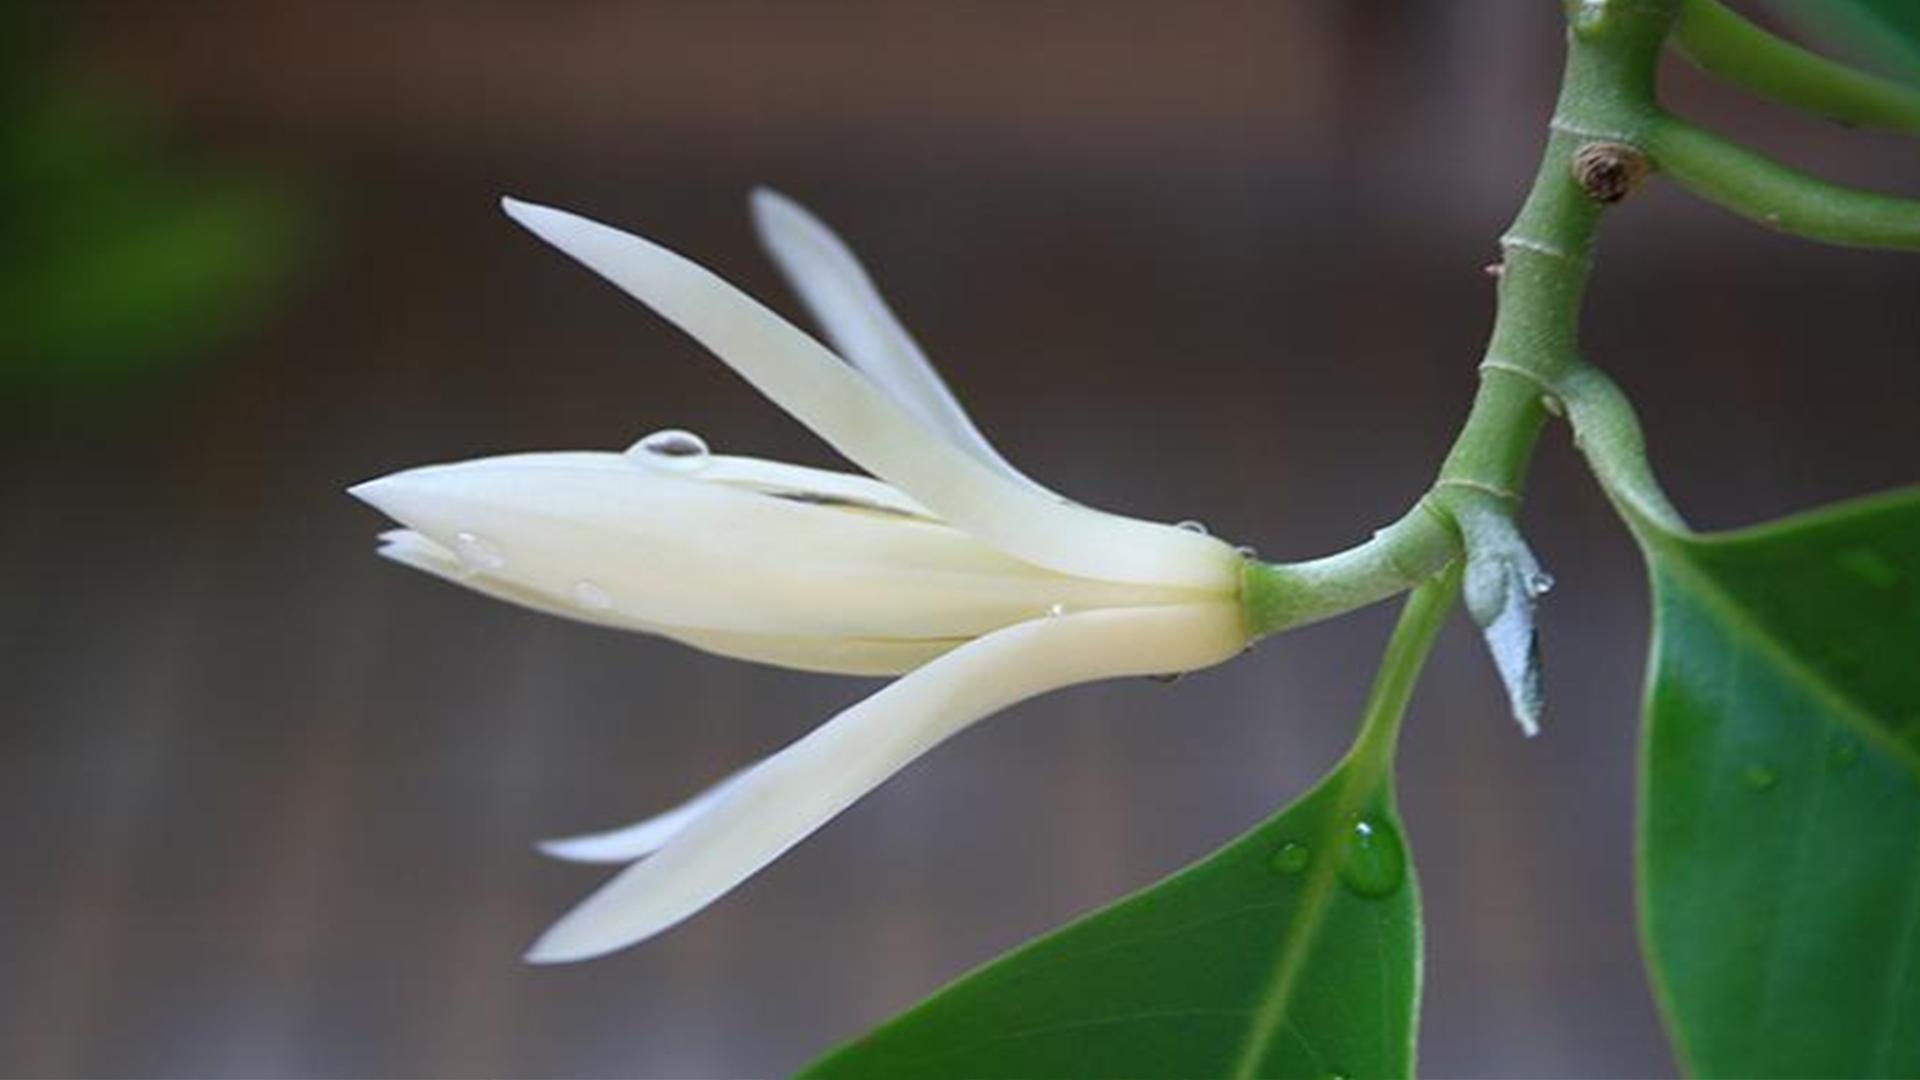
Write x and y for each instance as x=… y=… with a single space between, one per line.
x=1293 y=951
x=1886 y=32
x=1780 y=831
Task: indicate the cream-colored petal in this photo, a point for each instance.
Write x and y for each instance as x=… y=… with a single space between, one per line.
x=642 y=838
x=785 y=798
x=659 y=547
x=841 y=406
x=827 y=655
x=843 y=299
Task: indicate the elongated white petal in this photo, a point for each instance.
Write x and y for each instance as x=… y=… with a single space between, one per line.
x=843 y=299
x=785 y=798
x=663 y=548
x=830 y=655
x=642 y=838
x=841 y=406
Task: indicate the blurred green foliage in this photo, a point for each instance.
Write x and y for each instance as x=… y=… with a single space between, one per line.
x=1885 y=33
x=120 y=256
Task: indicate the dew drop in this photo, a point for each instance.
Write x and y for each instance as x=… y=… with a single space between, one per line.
x=1193 y=527
x=1760 y=777
x=1590 y=18
x=1843 y=753
x=1291 y=858
x=591 y=596
x=1054 y=611
x=672 y=449
x=477 y=553
x=1246 y=551
x=1372 y=862
x=1539 y=583
x=1168 y=678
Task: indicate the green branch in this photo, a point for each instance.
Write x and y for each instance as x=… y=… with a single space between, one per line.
x=1757 y=187
x=1722 y=42
x=1606 y=105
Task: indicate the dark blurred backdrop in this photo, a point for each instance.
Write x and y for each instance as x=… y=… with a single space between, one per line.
x=271 y=799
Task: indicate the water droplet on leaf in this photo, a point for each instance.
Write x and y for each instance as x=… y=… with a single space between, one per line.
x=1760 y=776
x=476 y=552
x=1193 y=527
x=1291 y=858
x=1372 y=862
x=671 y=449
x=1590 y=18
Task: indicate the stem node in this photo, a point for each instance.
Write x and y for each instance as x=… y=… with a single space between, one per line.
x=1609 y=171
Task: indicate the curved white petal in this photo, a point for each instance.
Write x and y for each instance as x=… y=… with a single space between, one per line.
x=785 y=798
x=842 y=297
x=829 y=655
x=664 y=548
x=642 y=838
x=841 y=406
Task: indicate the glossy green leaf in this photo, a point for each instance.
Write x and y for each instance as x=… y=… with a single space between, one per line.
x=1886 y=32
x=1293 y=951
x=1780 y=831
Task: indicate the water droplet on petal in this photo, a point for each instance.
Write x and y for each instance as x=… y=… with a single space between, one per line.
x=1054 y=611
x=1168 y=677
x=1760 y=776
x=672 y=449
x=1291 y=858
x=1372 y=862
x=592 y=596
x=478 y=553
x=1193 y=527
x=1539 y=583
x=1247 y=551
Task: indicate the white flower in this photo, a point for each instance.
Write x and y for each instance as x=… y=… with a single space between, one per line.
x=952 y=566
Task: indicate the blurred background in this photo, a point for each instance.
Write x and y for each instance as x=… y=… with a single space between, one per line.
x=272 y=799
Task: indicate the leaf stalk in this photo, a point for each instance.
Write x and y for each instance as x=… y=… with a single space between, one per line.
x=1720 y=41
x=1763 y=190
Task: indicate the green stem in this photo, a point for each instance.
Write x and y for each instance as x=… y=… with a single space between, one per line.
x=1757 y=187
x=1421 y=618
x=1608 y=434
x=1278 y=596
x=1722 y=42
x=1606 y=97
